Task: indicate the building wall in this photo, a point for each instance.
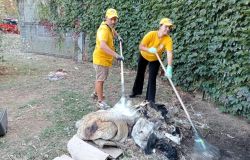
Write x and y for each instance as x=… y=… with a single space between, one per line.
x=38 y=38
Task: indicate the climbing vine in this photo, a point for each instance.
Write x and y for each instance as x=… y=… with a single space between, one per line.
x=211 y=40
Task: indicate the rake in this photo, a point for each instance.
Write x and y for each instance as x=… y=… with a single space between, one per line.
x=204 y=150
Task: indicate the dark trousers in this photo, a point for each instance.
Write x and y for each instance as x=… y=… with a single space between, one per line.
x=139 y=80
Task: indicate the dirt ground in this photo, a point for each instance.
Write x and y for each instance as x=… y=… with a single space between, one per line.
x=34 y=104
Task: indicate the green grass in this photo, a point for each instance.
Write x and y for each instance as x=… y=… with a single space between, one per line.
x=2 y=143
x=69 y=106
x=59 y=103
x=30 y=104
x=16 y=70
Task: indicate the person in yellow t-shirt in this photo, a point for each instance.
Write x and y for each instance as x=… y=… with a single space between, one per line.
x=104 y=53
x=153 y=42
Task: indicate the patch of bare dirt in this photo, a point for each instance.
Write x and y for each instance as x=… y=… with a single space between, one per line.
x=231 y=134
x=2 y=70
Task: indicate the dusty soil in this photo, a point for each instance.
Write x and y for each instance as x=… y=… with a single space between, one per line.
x=25 y=92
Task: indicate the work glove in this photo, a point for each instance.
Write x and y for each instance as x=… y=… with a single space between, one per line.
x=119 y=58
x=152 y=50
x=169 y=72
x=119 y=38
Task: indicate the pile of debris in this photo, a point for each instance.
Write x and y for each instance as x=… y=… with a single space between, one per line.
x=58 y=75
x=155 y=128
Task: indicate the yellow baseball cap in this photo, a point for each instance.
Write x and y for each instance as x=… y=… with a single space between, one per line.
x=110 y=13
x=167 y=22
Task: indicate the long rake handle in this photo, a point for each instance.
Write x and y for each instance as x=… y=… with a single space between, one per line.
x=177 y=94
x=122 y=73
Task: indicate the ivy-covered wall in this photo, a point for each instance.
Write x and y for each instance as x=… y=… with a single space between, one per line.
x=211 y=40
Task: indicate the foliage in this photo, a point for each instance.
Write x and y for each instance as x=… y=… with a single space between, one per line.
x=211 y=43
x=69 y=106
x=8 y=8
x=43 y=11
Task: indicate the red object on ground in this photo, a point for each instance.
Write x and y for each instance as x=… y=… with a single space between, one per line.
x=9 y=25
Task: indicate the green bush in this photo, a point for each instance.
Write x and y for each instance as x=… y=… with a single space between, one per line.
x=211 y=40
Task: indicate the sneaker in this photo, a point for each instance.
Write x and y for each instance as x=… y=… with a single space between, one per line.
x=94 y=96
x=102 y=105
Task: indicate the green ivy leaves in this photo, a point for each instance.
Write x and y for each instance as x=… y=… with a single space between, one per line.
x=211 y=40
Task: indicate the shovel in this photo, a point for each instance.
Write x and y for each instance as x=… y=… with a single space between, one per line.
x=122 y=72
x=123 y=106
x=205 y=150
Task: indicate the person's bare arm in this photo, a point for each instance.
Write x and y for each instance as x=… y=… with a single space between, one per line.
x=106 y=49
x=170 y=57
x=143 y=48
x=115 y=33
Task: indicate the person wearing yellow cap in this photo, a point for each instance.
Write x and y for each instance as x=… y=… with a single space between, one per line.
x=104 y=53
x=153 y=42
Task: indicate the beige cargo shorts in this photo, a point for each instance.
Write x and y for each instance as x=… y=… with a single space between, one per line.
x=101 y=72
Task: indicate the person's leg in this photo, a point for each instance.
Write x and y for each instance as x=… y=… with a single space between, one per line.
x=139 y=80
x=101 y=76
x=151 y=88
x=99 y=90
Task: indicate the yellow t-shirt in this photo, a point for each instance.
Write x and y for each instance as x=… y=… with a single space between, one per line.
x=104 y=33
x=151 y=39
